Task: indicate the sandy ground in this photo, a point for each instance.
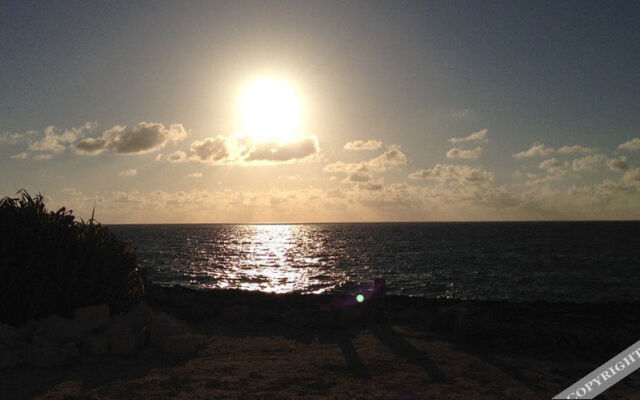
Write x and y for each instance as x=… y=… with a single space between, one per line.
x=374 y=362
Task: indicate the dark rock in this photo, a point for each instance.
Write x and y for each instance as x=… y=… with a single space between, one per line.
x=25 y=331
x=92 y=318
x=70 y=350
x=96 y=345
x=122 y=339
x=183 y=344
x=59 y=329
x=162 y=326
x=8 y=335
x=9 y=357
x=139 y=317
x=43 y=353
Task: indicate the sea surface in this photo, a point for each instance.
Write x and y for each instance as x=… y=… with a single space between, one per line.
x=516 y=261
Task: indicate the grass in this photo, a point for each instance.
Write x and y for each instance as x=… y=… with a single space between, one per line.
x=51 y=263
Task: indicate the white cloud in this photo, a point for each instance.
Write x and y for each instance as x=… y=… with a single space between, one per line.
x=177 y=157
x=195 y=175
x=632 y=176
x=363 y=145
x=20 y=156
x=574 y=149
x=373 y=186
x=453 y=193
x=455 y=172
x=364 y=171
x=618 y=164
x=129 y=172
x=43 y=157
x=554 y=166
x=591 y=162
x=467 y=154
x=340 y=167
x=55 y=139
x=536 y=150
x=12 y=138
x=479 y=136
x=460 y=114
x=142 y=138
x=534 y=180
x=360 y=174
x=633 y=145
x=391 y=157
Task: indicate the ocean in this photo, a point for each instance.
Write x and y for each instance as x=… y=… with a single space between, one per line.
x=515 y=261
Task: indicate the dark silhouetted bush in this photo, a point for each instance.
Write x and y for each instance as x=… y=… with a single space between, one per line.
x=51 y=264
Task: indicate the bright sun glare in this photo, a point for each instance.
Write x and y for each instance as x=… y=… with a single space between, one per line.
x=271 y=110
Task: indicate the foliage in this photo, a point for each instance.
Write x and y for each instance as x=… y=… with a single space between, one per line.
x=51 y=264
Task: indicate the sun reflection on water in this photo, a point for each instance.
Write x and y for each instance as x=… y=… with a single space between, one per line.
x=271 y=258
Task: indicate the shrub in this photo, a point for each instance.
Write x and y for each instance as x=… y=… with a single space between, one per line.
x=51 y=264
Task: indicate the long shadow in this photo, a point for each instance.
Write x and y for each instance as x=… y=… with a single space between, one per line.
x=511 y=372
x=354 y=362
x=339 y=335
x=399 y=346
x=91 y=371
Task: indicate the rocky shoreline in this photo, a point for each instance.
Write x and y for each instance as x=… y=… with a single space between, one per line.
x=567 y=327
x=185 y=343
x=93 y=331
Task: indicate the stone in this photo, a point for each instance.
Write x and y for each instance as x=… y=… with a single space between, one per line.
x=26 y=330
x=59 y=329
x=183 y=344
x=70 y=350
x=139 y=317
x=96 y=345
x=8 y=335
x=162 y=326
x=122 y=340
x=9 y=357
x=94 y=317
x=43 y=353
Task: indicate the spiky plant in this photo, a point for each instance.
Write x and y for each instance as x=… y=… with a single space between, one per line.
x=51 y=264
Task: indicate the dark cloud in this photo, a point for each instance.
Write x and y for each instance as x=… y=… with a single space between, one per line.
x=209 y=150
x=278 y=152
x=142 y=138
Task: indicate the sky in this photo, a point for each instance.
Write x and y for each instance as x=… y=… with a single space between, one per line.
x=274 y=111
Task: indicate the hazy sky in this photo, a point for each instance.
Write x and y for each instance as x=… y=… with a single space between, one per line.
x=415 y=111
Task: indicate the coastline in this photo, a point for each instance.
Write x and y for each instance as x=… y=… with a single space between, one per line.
x=421 y=348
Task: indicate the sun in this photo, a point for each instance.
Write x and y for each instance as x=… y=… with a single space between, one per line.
x=271 y=110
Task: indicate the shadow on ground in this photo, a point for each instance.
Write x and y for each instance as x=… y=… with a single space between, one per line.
x=86 y=372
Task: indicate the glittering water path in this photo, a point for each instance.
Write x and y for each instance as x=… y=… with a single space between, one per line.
x=552 y=261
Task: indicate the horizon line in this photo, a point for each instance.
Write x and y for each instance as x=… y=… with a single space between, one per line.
x=377 y=222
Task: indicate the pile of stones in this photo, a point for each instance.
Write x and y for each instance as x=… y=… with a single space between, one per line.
x=93 y=331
